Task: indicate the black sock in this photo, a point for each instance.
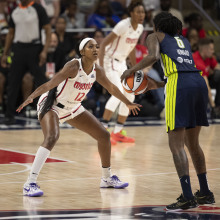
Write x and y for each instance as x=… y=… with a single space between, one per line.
x=204 y=187
x=119 y=123
x=186 y=187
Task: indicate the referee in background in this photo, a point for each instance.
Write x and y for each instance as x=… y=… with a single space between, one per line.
x=25 y=25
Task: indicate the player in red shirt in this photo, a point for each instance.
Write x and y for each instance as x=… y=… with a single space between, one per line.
x=210 y=68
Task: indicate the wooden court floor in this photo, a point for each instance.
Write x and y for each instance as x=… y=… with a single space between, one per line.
x=71 y=181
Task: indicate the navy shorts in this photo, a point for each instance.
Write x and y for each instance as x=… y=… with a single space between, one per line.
x=186 y=99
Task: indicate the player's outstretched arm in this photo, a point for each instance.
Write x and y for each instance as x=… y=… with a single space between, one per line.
x=69 y=70
x=149 y=60
x=113 y=90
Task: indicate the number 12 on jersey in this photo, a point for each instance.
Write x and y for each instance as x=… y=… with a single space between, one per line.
x=79 y=97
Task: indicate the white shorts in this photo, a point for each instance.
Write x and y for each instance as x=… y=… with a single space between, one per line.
x=114 y=69
x=65 y=113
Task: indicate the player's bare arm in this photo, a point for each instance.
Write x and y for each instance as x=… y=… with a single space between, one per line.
x=69 y=71
x=132 y=57
x=153 y=56
x=113 y=90
x=108 y=39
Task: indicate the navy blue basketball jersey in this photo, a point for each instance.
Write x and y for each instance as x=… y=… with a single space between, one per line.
x=176 y=56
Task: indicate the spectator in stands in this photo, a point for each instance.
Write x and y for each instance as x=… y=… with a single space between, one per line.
x=74 y=18
x=117 y=8
x=205 y=61
x=52 y=8
x=103 y=16
x=99 y=36
x=194 y=20
x=55 y=57
x=29 y=54
x=3 y=14
x=166 y=5
x=86 y=7
x=12 y=4
x=193 y=38
x=66 y=40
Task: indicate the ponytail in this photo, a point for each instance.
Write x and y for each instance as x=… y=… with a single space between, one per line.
x=48 y=102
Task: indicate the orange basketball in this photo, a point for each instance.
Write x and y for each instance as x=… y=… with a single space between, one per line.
x=136 y=83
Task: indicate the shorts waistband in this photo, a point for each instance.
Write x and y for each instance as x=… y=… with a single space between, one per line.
x=60 y=105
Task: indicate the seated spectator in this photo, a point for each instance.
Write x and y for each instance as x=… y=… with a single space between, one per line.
x=166 y=5
x=103 y=16
x=55 y=57
x=117 y=8
x=3 y=14
x=205 y=61
x=52 y=8
x=12 y=4
x=74 y=19
x=193 y=38
x=98 y=35
x=86 y=7
x=66 y=41
x=194 y=20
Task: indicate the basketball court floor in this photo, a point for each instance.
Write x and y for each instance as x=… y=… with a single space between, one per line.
x=71 y=176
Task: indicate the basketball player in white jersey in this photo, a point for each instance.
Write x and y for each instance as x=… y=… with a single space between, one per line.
x=60 y=101
x=114 y=50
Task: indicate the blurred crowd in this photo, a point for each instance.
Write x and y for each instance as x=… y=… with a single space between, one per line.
x=57 y=20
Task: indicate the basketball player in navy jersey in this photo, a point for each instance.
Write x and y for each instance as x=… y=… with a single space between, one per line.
x=60 y=101
x=185 y=104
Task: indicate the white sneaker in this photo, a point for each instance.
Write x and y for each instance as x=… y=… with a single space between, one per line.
x=112 y=182
x=32 y=189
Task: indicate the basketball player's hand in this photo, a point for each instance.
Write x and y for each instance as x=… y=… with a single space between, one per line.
x=25 y=103
x=134 y=108
x=125 y=75
x=43 y=58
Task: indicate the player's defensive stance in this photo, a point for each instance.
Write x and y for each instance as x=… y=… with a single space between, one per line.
x=60 y=101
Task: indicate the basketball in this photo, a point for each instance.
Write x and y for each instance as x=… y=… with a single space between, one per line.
x=136 y=83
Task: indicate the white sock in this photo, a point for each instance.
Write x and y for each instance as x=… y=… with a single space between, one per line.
x=106 y=172
x=118 y=128
x=40 y=158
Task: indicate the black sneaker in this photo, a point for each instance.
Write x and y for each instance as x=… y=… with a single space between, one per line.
x=182 y=204
x=204 y=199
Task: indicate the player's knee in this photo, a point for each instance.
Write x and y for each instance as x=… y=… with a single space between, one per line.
x=105 y=136
x=51 y=139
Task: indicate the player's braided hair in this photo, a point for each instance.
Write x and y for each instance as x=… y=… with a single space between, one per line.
x=168 y=23
x=48 y=102
x=134 y=4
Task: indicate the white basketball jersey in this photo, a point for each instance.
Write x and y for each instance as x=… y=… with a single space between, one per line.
x=127 y=39
x=73 y=90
